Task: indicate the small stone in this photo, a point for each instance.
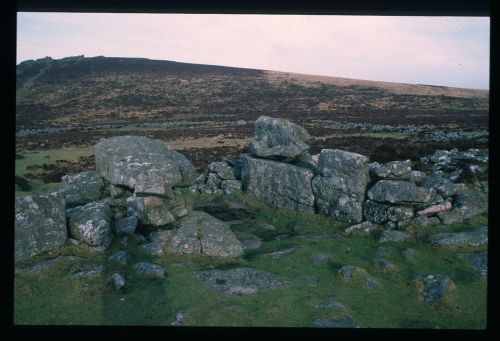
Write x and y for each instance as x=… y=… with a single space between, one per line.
x=117 y=281
x=120 y=257
x=126 y=226
x=149 y=270
x=474 y=238
x=331 y=304
x=394 y=236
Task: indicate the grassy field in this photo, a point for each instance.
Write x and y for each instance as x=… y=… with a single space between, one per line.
x=52 y=298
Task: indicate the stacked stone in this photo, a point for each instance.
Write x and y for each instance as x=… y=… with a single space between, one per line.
x=221 y=177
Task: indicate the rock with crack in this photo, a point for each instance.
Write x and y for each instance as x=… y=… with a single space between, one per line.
x=148 y=166
x=83 y=188
x=400 y=192
x=40 y=224
x=91 y=224
x=340 y=186
x=200 y=233
x=279 y=185
x=239 y=280
x=279 y=139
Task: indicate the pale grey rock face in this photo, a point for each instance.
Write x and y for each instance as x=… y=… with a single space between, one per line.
x=278 y=138
x=82 y=188
x=474 y=238
x=400 y=192
x=393 y=170
x=277 y=184
x=442 y=185
x=223 y=170
x=146 y=165
x=340 y=187
x=230 y=186
x=201 y=233
x=40 y=224
x=239 y=281
x=91 y=224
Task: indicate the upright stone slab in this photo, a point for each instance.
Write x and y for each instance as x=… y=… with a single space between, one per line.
x=340 y=187
x=146 y=165
x=277 y=184
x=40 y=224
x=279 y=139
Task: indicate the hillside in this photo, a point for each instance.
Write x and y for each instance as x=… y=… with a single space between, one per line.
x=86 y=91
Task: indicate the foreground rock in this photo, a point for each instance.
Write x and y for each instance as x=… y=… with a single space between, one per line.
x=201 y=233
x=83 y=188
x=146 y=165
x=279 y=185
x=340 y=187
x=91 y=224
x=40 y=224
x=238 y=281
x=478 y=261
x=149 y=270
x=475 y=238
x=280 y=139
x=394 y=236
x=433 y=287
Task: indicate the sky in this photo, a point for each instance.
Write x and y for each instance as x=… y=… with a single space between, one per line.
x=447 y=51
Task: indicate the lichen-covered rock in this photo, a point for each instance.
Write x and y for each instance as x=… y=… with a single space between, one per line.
x=340 y=187
x=471 y=205
x=118 y=196
x=156 y=211
x=223 y=170
x=126 y=226
x=365 y=228
x=239 y=280
x=148 y=166
x=474 y=238
x=351 y=272
x=399 y=192
x=40 y=224
x=394 y=236
x=393 y=170
x=433 y=287
x=149 y=270
x=91 y=224
x=442 y=185
x=279 y=185
x=278 y=138
x=235 y=164
x=83 y=188
x=201 y=233
x=230 y=186
x=379 y=213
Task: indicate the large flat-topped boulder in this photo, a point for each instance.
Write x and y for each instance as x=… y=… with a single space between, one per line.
x=400 y=192
x=146 y=165
x=278 y=184
x=40 y=224
x=279 y=139
x=340 y=187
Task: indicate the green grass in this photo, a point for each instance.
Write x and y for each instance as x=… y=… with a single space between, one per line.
x=52 y=298
x=48 y=156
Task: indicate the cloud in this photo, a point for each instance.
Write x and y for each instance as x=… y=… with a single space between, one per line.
x=433 y=50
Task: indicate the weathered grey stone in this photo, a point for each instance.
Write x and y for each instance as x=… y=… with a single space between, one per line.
x=121 y=257
x=179 y=319
x=126 y=226
x=398 y=213
x=450 y=217
x=149 y=270
x=471 y=205
x=386 y=265
x=394 y=236
x=230 y=186
x=199 y=232
x=307 y=161
x=433 y=287
x=89 y=274
x=278 y=138
x=278 y=184
x=91 y=224
x=154 y=249
x=473 y=238
x=238 y=281
x=119 y=196
x=393 y=170
x=117 y=281
x=399 y=192
x=478 y=261
x=212 y=181
x=336 y=323
x=150 y=210
x=223 y=170
x=148 y=166
x=351 y=272
x=364 y=228
x=235 y=164
x=442 y=185
x=331 y=304
x=248 y=240
x=82 y=188
x=278 y=254
x=375 y=212
x=340 y=187
x=40 y=224
x=320 y=257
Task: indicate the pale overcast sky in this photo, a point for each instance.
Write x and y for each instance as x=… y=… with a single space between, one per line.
x=451 y=51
